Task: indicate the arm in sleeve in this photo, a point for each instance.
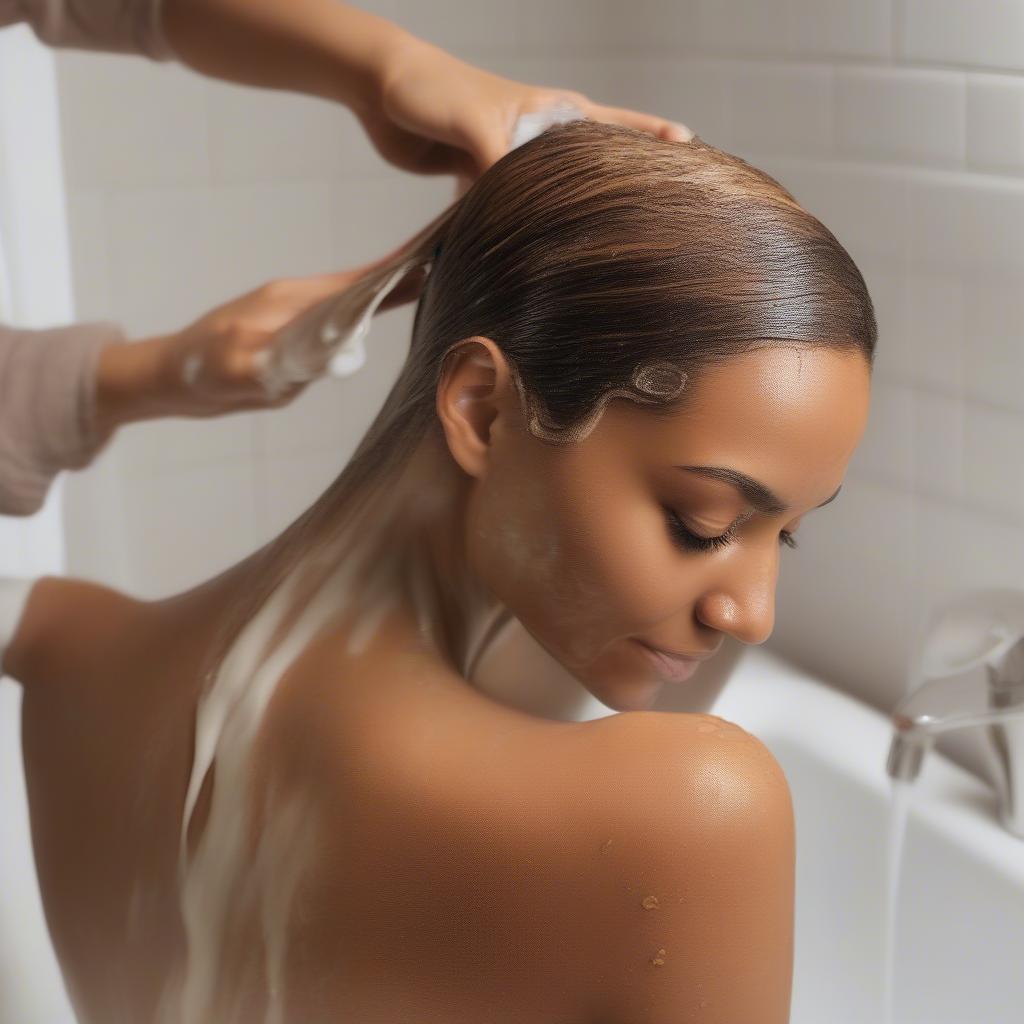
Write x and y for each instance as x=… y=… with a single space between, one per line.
x=117 y=26
x=47 y=408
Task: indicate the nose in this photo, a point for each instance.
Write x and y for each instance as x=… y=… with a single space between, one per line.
x=742 y=602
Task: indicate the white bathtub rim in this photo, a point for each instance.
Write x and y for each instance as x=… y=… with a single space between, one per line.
x=781 y=700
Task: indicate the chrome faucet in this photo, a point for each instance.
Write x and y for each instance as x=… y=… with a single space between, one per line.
x=938 y=707
x=987 y=627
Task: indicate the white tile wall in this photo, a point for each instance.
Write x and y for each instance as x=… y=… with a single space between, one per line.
x=841 y=28
x=110 y=136
x=844 y=595
x=938 y=445
x=743 y=26
x=994 y=315
x=899 y=123
x=181 y=527
x=886 y=454
x=981 y=33
x=995 y=123
x=936 y=328
x=553 y=29
x=782 y=109
x=90 y=257
x=901 y=115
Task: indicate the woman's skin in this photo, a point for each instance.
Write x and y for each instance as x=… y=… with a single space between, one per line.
x=574 y=544
x=475 y=861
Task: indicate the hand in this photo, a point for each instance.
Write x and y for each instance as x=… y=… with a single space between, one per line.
x=214 y=365
x=435 y=114
x=218 y=360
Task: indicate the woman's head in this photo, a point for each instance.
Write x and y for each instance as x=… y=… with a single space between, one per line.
x=603 y=261
x=606 y=306
x=597 y=544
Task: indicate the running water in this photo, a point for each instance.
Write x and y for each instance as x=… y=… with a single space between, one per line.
x=901 y=789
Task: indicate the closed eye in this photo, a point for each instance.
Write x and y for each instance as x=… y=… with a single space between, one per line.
x=690 y=541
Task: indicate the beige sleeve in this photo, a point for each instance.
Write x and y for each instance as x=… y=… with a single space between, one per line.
x=47 y=408
x=117 y=26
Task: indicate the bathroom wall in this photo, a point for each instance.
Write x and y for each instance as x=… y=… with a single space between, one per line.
x=900 y=123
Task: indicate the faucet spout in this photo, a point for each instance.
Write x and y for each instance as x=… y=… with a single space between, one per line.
x=906 y=756
x=960 y=702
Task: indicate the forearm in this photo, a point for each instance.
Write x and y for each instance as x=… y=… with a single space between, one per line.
x=321 y=47
x=132 y=384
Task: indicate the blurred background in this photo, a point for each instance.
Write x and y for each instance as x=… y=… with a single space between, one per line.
x=899 y=123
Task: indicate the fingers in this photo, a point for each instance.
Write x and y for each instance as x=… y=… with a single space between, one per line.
x=487 y=146
x=304 y=292
x=417 y=153
x=470 y=159
x=407 y=290
x=326 y=285
x=444 y=159
x=659 y=127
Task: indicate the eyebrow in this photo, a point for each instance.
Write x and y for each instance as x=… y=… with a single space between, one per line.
x=762 y=498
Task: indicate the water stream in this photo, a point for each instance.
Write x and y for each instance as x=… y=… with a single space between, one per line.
x=901 y=790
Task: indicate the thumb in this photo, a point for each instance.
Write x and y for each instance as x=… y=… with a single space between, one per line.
x=486 y=144
x=318 y=286
x=408 y=289
x=659 y=127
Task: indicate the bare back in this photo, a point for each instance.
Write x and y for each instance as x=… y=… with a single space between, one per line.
x=465 y=868
x=423 y=786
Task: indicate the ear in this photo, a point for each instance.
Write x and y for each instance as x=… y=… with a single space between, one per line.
x=475 y=383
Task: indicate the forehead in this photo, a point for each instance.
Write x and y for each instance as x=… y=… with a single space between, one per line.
x=788 y=416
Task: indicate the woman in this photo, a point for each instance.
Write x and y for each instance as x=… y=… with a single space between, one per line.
x=280 y=796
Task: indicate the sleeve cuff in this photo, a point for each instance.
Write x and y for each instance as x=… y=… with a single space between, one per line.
x=47 y=408
x=114 y=26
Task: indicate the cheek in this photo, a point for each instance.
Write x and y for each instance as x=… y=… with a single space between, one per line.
x=622 y=539
x=578 y=562
x=515 y=548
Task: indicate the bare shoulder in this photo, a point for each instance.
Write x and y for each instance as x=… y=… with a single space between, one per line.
x=631 y=870
x=75 y=632
x=63 y=623
x=694 y=901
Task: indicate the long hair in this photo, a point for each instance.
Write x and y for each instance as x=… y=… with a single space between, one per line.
x=603 y=262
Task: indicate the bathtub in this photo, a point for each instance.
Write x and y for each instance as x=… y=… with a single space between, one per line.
x=960 y=911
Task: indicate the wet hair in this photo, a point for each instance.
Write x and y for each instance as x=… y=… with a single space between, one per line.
x=604 y=263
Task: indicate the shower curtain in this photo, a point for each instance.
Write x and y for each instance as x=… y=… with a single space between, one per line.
x=35 y=291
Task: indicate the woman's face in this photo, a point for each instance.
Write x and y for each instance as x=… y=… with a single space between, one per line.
x=589 y=545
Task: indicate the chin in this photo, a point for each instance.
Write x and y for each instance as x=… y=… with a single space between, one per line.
x=615 y=682
x=641 y=697
x=627 y=694
x=612 y=679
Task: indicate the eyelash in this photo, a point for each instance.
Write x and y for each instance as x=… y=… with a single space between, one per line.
x=693 y=542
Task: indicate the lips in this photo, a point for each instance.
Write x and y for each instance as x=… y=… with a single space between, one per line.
x=683 y=655
x=669 y=666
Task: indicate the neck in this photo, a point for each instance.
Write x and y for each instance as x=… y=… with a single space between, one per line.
x=415 y=556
